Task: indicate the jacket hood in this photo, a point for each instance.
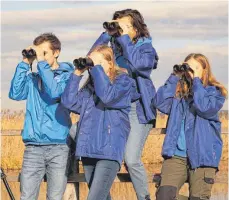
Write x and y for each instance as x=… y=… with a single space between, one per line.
x=143 y=40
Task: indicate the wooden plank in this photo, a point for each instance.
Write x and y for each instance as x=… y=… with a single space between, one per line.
x=121 y=177
x=154 y=131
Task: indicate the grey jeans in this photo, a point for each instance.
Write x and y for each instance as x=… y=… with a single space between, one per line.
x=133 y=153
x=38 y=161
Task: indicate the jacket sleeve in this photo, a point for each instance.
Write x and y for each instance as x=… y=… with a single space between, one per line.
x=53 y=86
x=207 y=103
x=103 y=39
x=71 y=98
x=164 y=97
x=20 y=83
x=141 y=59
x=113 y=95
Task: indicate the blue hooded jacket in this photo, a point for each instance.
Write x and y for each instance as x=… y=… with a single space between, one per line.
x=139 y=59
x=202 y=125
x=104 y=124
x=46 y=120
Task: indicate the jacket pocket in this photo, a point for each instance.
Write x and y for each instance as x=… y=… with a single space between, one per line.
x=209 y=175
x=206 y=186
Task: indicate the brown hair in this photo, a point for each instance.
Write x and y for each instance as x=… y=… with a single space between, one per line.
x=108 y=55
x=207 y=77
x=137 y=21
x=48 y=37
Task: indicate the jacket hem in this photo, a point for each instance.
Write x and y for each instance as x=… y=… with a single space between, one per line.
x=99 y=156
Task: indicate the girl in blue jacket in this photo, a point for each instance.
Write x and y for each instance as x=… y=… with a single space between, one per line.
x=103 y=104
x=133 y=50
x=192 y=147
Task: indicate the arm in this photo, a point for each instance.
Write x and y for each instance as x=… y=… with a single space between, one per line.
x=206 y=103
x=114 y=95
x=141 y=59
x=103 y=39
x=165 y=95
x=53 y=87
x=71 y=98
x=20 y=83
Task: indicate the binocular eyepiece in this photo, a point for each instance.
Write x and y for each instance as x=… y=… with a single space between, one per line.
x=182 y=68
x=29 y=53
x=112 y=27
x=82 y=63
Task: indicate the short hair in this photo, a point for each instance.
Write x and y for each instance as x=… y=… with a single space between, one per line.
x=48 y=37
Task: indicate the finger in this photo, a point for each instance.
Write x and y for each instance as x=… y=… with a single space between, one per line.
x=29 y=47
x=114 y=21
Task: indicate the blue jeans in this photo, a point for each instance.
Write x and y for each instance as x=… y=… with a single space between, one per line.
x=100 y=175
x=133 y=153
x=38 y=161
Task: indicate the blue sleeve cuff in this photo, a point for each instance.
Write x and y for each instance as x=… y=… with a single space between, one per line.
x=98 y=74
x=105 y=36
x=43 y=64
x=196 y=84
x=74 y=78
x=173 y=79
x=24 y=65
x=124 y=39
x=96 y=70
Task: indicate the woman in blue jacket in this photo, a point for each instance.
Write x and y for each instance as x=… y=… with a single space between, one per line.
x=192 y=147
x=103 y=104
x=134 y=51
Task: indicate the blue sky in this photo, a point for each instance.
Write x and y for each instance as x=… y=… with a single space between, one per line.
x=177 y=29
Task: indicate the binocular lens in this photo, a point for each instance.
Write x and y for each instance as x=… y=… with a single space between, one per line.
x=182 y=68
x=24 y=53
x=176 y=68
x=84 y=61
x=81 y=63
x=28 y=53
x=76 y=62
x=106 y=25
x=113 y=25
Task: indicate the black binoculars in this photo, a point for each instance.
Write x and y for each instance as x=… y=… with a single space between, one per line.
x=182 y=68
x=82 y=63
x=29 y=53
x=113 y=28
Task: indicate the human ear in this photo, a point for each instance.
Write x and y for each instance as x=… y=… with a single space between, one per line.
x=56 y=53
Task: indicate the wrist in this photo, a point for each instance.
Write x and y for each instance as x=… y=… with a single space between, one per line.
x=77 y=72
x=25 y=60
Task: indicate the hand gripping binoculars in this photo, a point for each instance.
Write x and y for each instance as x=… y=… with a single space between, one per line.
x=113 y=28
x=29 y=53
x=182 y=68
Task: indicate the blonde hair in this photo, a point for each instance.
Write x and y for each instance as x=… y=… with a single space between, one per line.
x=108 y=55
x=207 y=76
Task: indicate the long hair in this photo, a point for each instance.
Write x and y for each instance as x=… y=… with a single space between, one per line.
x=108 y=55
x=137 y=21
x=207 y=76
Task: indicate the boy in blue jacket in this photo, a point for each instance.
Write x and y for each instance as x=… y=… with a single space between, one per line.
x=47 y=122
x=133 y=50
x=103 y=104
x=192 y=146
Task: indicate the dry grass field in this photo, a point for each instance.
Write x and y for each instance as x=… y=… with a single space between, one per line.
x=12 y=149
